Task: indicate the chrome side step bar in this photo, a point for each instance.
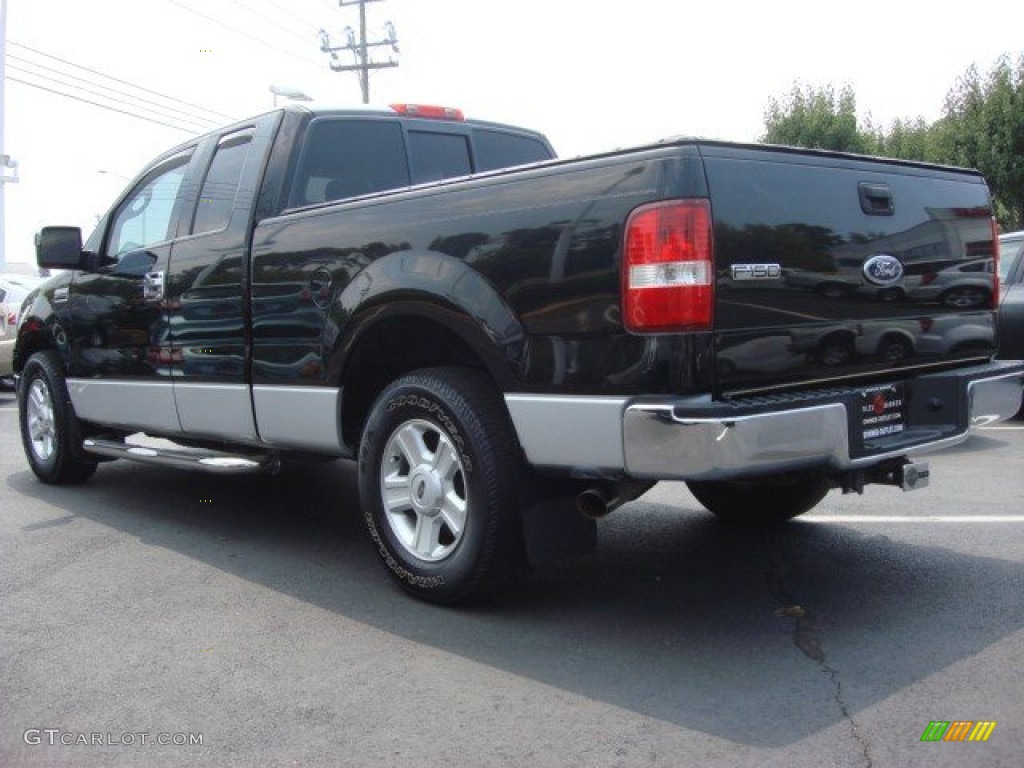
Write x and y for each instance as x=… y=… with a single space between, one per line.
x=184 y=458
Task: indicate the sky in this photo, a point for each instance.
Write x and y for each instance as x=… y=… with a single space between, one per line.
x=591 y=76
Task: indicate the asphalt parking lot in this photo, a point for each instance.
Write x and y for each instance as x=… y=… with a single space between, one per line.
x=250 y=614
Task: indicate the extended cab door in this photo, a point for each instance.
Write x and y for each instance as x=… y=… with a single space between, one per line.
x=121 y=364
x=206 y=298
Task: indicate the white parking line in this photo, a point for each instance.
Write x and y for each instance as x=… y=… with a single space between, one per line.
x=913 y=518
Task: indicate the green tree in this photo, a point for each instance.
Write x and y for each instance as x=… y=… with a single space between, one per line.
x=911 y=139
x=983 y=127
x=817 y=118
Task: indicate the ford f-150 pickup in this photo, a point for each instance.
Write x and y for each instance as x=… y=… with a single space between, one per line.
x=503 y=340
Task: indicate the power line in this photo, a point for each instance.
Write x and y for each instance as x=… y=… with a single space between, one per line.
x=201 y=122
x=237 y=31
x=304 y=22
x=57 y=81
x=103 y=106
x=275 y=22
x=220 y=115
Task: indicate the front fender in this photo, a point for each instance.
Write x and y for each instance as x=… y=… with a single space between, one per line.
x=40 y=326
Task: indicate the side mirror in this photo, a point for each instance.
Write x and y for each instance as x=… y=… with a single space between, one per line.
x=60 y=248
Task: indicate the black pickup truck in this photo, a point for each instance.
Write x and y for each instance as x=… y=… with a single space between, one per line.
x=502 y=349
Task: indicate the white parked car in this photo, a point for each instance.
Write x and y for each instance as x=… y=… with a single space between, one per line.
x=13 y=290
x=962 y=286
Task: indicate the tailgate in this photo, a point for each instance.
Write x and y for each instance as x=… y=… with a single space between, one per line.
x=832 y=266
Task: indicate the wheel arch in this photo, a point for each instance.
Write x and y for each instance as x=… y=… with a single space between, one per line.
x=411 y=310
x=32 y=339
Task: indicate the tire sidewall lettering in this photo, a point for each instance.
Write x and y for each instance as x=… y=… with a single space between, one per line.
x=421 y=406
x=432 y=408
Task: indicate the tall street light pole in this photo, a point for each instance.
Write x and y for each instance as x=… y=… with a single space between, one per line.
x=8 y=168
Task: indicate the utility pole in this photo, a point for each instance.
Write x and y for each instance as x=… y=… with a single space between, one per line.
x=360 y=48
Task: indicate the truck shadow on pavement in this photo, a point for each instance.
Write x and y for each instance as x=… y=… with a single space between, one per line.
x=743 y=634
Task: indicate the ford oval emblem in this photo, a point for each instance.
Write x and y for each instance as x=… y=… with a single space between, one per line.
x=883 y=269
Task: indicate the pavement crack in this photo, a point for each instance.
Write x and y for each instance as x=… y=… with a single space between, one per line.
x=808 y=640
x=858 y=737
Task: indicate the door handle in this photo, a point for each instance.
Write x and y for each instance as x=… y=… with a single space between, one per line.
x=153 y=286
x=875 y=199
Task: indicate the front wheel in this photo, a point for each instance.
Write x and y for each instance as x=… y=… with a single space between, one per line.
x=439 y=474
x=764 y=500
x=50 y=431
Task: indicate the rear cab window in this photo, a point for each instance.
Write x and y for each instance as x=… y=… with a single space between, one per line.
x=499 y=149
x=348 y=156
x=438 y=156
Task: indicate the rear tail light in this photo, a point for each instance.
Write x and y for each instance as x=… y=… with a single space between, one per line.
x=668 y=268
x=928 y=277
x=926 y=324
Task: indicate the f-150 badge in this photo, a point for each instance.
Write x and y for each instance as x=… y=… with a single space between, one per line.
x=756 y=271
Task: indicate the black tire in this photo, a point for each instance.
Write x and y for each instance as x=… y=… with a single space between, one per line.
x=890 y=295
x=445 y=536
x=833 y=290
x=966 y=297
x=50 y=432
x=894 y=349
x=762 y=501
x=835 y=349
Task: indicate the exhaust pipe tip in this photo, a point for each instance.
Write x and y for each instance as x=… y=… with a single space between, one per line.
x=594 y=503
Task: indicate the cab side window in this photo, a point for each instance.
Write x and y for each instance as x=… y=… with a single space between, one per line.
x=145 y=217
x=217 y=197
x=348 y=158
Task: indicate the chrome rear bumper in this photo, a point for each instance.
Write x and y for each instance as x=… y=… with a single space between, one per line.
x=670 y=441
x=702 y=439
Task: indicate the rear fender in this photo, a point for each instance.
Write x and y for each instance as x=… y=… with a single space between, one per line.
x=435 y=286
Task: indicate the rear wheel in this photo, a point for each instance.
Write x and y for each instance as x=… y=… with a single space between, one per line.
x=439 y=476
x=893 y=349
x=835 y=349
x=765 y=500
x=834 y=290
x=966 y=297
x=890 y=295
x=50 y=431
